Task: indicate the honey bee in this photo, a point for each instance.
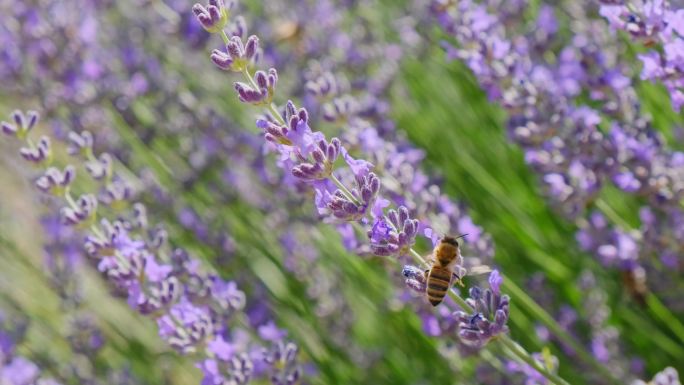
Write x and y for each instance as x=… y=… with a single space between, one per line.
x=635 y=283
x=445 y=258
x=287 y=30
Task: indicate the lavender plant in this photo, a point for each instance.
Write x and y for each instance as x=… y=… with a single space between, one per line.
x=193 y=309
x=14 y=368
x=565 y=140
x=310 y=156
x=148 y=84
x=156 y=110
x=650 y=23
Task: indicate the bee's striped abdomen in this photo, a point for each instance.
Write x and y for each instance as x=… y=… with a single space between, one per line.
x=438 y=283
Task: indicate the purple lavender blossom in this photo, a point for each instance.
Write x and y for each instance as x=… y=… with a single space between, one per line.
x=22 y=124
x=185 y=326
x=282 y=356
x=19 y=371
x=323 y=159
x=654 y=22
x=394 y=237
x=614 y=247
x=667 y=376
x=83 y=211
x=215 y=16
x=289 y=134
x=560 y=134
x=80 y=143
x=490 y=314
x=415 y=279
x=55 y=181
x=39 y=153
x=238 y=56
x=265 y=88
x=362 y=201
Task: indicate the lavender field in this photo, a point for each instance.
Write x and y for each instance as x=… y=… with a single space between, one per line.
x=479 y=192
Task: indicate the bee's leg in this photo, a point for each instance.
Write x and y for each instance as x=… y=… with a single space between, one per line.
x=427 y=272
x=457 y=279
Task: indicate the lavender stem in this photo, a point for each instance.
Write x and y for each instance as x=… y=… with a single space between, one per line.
x=525 y=357
x=343 y=188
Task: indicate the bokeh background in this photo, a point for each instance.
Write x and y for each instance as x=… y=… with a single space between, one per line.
x=137 y=75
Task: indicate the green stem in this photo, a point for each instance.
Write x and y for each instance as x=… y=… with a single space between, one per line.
x=69 y=199
x=225 y=38
x=250 y=79
x=97 y=232
x=611 y=214
x=245 y=72
x=661 y=311
x=518 y=352
x=344 y=189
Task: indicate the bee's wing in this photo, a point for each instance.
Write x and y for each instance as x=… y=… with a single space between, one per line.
x=479 y=270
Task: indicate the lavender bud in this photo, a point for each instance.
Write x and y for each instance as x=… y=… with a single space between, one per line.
x=238 y=28
x=8 y=128
x=54 y=181
x=340 y=109
x=116 y=194
x=235 y=58
x=264 y=94
x=185 y=326
x=83 y=212
x=222 y=60
x=214 y=17
x=320 y=165
x=39 y=154
x=140 y=215
x=413 y=272
x=80 y=144
x=324 y=86
x=101 y=168
x=251 y=47
x=22 y=124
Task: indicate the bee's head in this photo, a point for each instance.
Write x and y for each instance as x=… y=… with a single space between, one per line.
x=447 y=250
x=451 y=240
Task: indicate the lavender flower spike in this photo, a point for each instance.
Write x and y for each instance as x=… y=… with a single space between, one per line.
x=395 y=237
x=321 y=167
x=214 y=17
x=355 y=207
x=282 y=358
x=490 y=317
x=415 y=278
